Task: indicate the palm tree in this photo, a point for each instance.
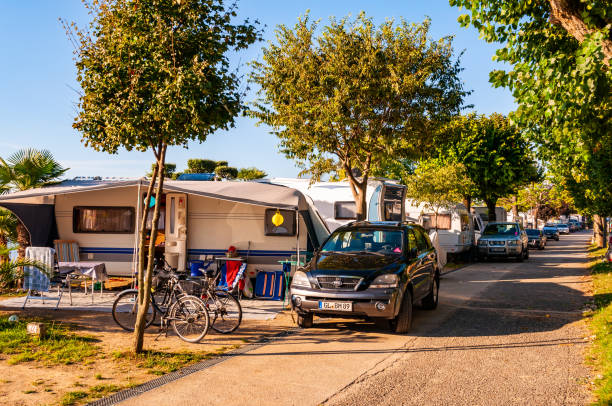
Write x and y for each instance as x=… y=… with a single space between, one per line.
x=27 y=169
x=8 y=231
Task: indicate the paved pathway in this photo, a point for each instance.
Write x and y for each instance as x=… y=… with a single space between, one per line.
x=504 y=333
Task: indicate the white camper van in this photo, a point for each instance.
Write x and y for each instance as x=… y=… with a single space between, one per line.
x=455 y=225
x=500 y=213
x=198 y=219
x=336 y=205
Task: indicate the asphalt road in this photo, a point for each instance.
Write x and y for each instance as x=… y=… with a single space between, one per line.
x=503 y=333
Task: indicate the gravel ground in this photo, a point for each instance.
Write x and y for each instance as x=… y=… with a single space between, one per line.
x=519 y=342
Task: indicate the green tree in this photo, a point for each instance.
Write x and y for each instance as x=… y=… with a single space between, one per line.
x=438 y=185
x=200 y=166
x=156 y=74
x=28 y=169
x=559 y=52
x=352 y=94
x=169 y=170
x=251 y=173
x=495 y=154
x=226 y=172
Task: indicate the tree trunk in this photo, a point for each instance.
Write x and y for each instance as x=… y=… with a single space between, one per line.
x=467 y=202
x=359 y=194
x=515 y=213
x=598 y=231
x=144 y=287
x=23 y=239
x=491 y=209
x=567 y=14
x=3 y=243
x=536 y=213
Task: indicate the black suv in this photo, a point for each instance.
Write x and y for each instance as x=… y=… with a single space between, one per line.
x=376 y=270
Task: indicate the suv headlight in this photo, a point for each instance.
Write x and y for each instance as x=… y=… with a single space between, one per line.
x=482 y=242
x=389 y=280
x=300 y=279
x=513 y=242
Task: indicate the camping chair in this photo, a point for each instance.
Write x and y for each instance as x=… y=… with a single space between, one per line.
x=35 y=280
x=68 y=251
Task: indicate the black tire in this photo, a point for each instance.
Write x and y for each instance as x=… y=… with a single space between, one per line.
x=225 y=312
x=402 y=322
x=189 y=318
x=527 y=254
x=305 y=320
x=430 y=302
x=557 y=238
x=125 y=310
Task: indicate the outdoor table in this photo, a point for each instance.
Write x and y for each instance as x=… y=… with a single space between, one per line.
x=94 y=270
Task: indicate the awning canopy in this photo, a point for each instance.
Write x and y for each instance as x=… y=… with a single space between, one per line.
x=255 y=193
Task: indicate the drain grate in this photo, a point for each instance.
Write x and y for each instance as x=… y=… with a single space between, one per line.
x=188 y=370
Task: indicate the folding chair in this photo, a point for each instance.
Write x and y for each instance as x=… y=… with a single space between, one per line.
x=35 y=280
x=68 y=251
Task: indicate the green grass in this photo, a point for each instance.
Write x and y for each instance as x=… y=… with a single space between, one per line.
x=71 y=398
x=60 y=346
x=601 y=325
x=160 y=363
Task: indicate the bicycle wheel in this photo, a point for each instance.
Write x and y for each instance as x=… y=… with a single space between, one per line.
x=225 y=312
x=125 y=310
x=189 y=318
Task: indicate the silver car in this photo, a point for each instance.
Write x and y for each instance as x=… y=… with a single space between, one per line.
x=503 y=240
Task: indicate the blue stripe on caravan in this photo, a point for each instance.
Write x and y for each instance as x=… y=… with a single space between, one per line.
x=104 y=250
x=130 y=251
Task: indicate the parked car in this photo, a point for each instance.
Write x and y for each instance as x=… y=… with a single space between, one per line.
x=376 y=270
x=537 y=238
x=563 y=228
x=503 y=240
x=574 y=225
x=551 y=232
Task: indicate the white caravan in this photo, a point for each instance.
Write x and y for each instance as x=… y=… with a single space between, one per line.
x=455 y=225
x=198 y=219
x=336 y=205
x=500 y=213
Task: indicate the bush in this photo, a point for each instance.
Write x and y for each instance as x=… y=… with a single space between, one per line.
x=201 y=166
x=251 y=173
x=226 y=172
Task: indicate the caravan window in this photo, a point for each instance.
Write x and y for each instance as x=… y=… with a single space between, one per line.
x=394 y=198
x=116 y=220
x=429 y=221
x=286 y=222
x=345 y=211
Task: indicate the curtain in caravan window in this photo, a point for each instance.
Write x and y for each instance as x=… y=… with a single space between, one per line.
x=103 y=220
x=429 y=221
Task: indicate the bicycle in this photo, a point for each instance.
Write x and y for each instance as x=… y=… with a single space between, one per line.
x=187 y=314
x=224 y=309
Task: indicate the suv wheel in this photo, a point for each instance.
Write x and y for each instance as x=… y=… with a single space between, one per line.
x=404 y=319
x=305 y=320
x=527 y=254
x=430 y=301
x=521 y=256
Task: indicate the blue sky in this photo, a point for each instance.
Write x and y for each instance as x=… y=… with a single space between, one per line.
x=38 y=97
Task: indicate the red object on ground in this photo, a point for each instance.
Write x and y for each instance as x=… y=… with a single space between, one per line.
x=231 y=270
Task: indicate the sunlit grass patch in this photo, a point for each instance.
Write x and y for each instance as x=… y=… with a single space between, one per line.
x=601 y=325
x=60 y=346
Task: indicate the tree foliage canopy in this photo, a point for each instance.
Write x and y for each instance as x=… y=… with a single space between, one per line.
x=495 y=154
x=559 y=51
x=157 y=71
x=438 y=184
x=356 y=93
x=251 y=173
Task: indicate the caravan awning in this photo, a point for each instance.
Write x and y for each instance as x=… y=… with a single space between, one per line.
x=255 y=193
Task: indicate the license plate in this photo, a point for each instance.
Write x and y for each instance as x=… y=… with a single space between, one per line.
x=498 y=249
x=337 y=306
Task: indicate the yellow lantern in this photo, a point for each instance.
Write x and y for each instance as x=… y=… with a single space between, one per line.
x=278 y=218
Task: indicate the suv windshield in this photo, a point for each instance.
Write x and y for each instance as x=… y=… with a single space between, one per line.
x=533 y=232
x=503 y=229
x=366 y=240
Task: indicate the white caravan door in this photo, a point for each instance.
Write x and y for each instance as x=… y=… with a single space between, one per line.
x=176 y=228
